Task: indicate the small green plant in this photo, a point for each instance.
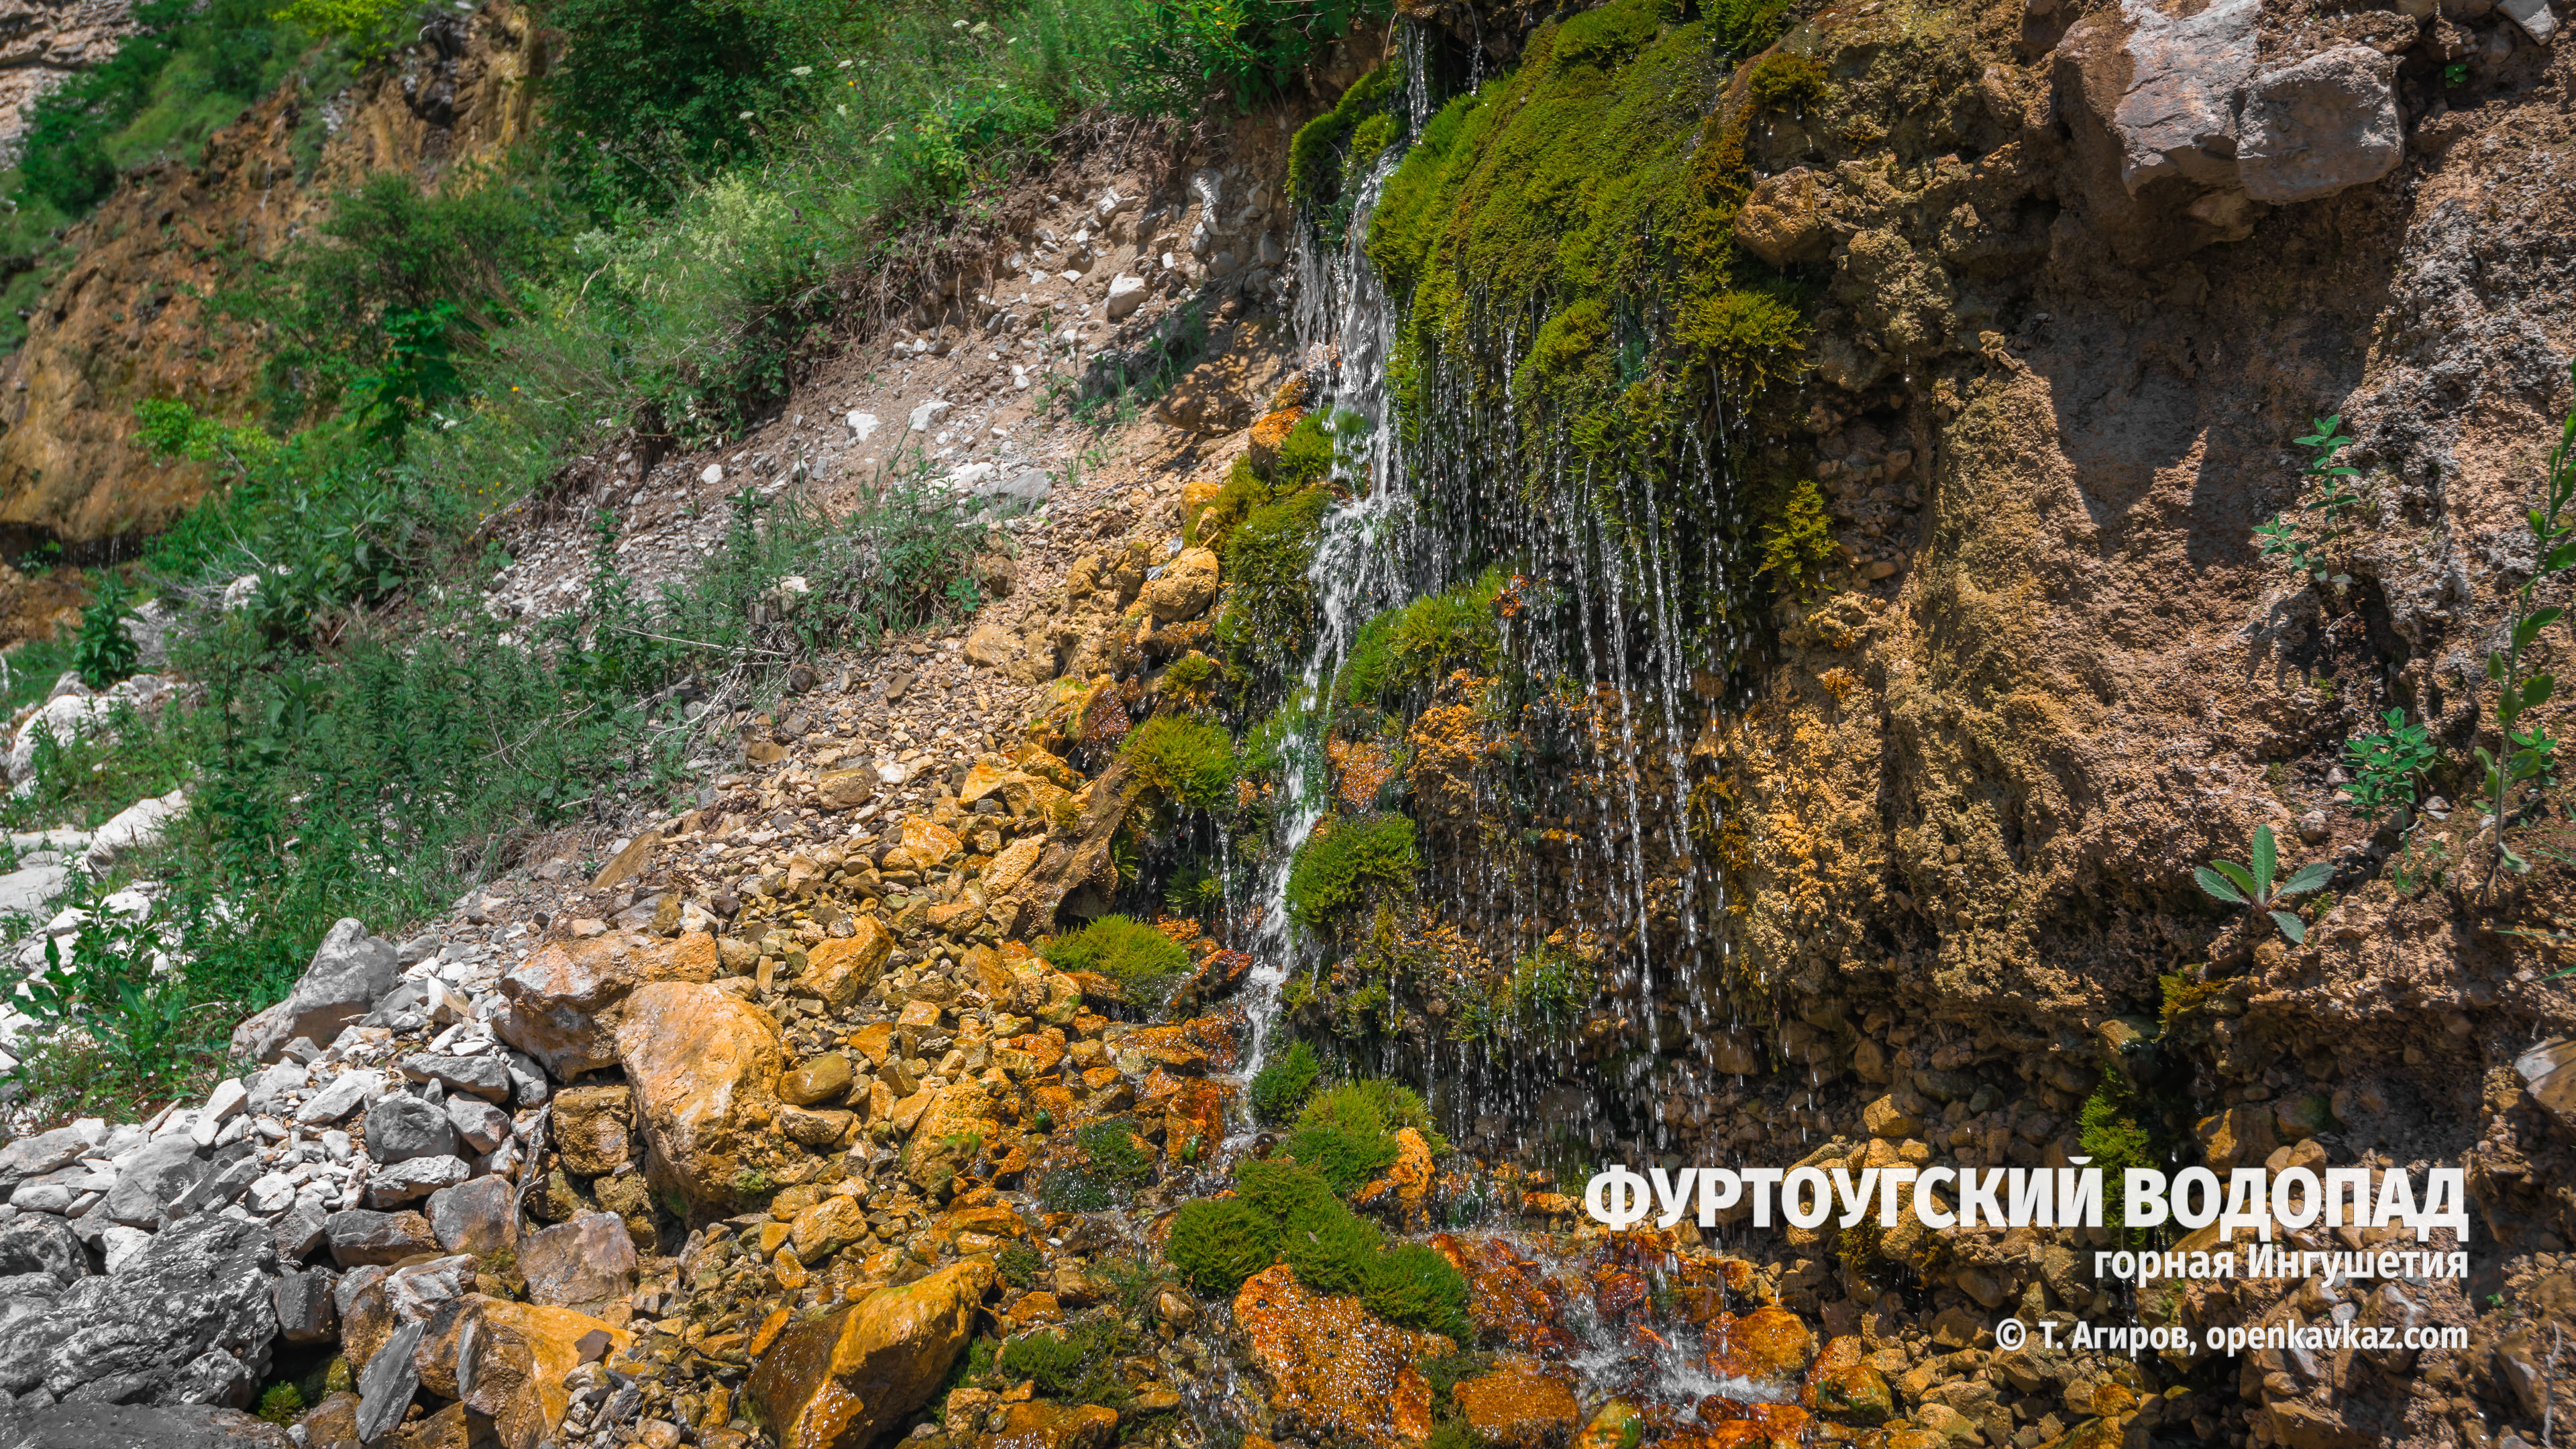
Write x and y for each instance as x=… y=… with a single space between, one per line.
x=281 y=1404
x=2527 y=755
x=1018 y=1264
x=1187 y=761
x=1217 y=1245
x=1282 y=1085
x=1144 y=962
x=2289 y=540
x=2385 y=765
x=104 y=653
x=2421 y=866
x=2252 y=884
x=1799 y=541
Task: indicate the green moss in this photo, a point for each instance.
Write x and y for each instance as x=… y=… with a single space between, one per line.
x=1349 y=1160
x=1188 y=762
x=1408 y=650
x=1217 y=1245
x=1782 y=81
x=1372 y=1104
x=1592 y=192
x=2109 y=1127
x=1018 y=1264
x=1281 y=1188
x=1344 y=862
x=1269 y=612
x=1799 y=540
x=1330 y=149
x=1107 y=1162
x=1412 y=1283
x=1282 y=1086
x=1305 y=455
x=1075 y=1363
x=1334 y=1250
x=1330 y=1250
x=281 y=1404
x=1144 y=962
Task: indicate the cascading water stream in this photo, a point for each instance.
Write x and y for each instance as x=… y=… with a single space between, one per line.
x=1342 y=314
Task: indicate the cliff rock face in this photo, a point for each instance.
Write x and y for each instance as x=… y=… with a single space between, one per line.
x=128 y=323
x=42 y=44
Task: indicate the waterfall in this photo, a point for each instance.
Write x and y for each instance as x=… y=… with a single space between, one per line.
x=1342 y=315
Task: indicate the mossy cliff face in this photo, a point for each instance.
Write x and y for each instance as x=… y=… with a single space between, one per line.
x=1913 y=819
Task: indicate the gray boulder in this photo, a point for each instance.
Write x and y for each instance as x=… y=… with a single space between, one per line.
x=402 y=1127
x=40 y=1154
x=42 y=1243
x=305 y=1313
x=585 y=1264
x=189 y=1320
x=359 y=1237
x=344 y=1096
x=487 y=1077
x=412 y=1180
x=349 y=974
x=2312 y=129
x=475 y=1217
x=386 y=1385
x=138 y=1426
x=158 y=1176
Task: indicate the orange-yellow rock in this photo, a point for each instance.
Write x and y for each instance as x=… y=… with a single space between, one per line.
x=1767 y=1343
x=836 y=971
x=1335 y=1368
x=1039 y=1425
x=929 y=844
x=565 y=1000
x=1519 y=1407
x=704 y=1066
x=838 y=1381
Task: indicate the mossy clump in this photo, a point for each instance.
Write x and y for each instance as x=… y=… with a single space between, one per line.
x=1798 y=541
x=1346 y=860
x=1018 y=1264
x=1186 y=761
x=1144 y=962
x=1218 y=1244
x=1782 y=81
x=1107 y=1162
x=1329 y=149
x=1283 y=1084
x=1077 y=1362
x=1269 y=613
x=1330 y=1248
x=1347 y=1132
x=1407 y=650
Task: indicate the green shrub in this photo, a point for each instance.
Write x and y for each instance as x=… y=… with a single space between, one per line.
x=281 y=1404
x=1217 y=1245
x=1247 y=50
x=1188 y=762
x=1344 y=862
x=1144 y=962
x=1782 y=81
x=103 y=652
x=1283 y=1084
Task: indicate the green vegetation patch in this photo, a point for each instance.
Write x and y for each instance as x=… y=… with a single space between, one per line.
x=1188 y=762
x=1345 y=862
x=1282 y=1085
x=1144 y=962
x=1330 y=1248
x=1407 y=650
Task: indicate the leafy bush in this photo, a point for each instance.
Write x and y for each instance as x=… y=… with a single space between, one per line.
x=1247 y=50
x=1218 y=1244
x=1188 y=762
x=371 y=27
x=1344 y=861
x=1144 y=962
x=1283 y=1084
x=103 y=652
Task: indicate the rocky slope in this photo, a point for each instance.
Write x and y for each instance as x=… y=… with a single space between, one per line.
x=788 y=1119
x=43 y=44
